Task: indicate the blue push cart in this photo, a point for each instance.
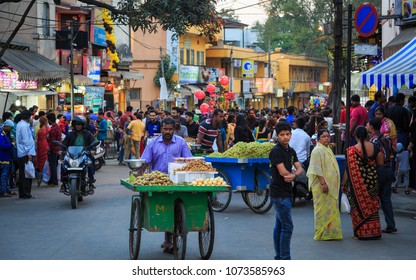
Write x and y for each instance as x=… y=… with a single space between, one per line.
x=249 y=176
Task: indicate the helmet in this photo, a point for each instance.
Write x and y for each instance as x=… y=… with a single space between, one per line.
x=79 y=120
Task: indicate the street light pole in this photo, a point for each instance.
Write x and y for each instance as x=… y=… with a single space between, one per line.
x=71 y=55
x=231 y=70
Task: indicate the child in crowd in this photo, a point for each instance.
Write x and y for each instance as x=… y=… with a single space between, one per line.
x=402 y=168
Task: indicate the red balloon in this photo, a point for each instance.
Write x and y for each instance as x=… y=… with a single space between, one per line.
x=229 y=95
x=199 y=94
x=224 y=80
x=204 y=108
x=213 y=96
x=210 y=88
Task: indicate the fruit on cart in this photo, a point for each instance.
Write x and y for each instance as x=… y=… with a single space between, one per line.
x=246 y=150
x=196 y=166
x=189 y=139
x=218 y=181
x=155 y=178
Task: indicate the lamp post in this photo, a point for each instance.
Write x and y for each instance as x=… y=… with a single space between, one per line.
x=71 y=54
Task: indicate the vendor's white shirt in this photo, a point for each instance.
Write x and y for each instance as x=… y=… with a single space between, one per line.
x=301 y=143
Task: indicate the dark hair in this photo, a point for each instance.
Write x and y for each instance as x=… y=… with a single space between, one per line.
x=369 y=103
x=300 y=122
x=355 y=97
x=241 y=121
x=168 y=121
x=381 y=110
x=101 y=113
x=282 y=126
x=217 y=111
x=189 y=114
x=176 y=109
x=108 y=114
x=375 y=123
x=271 y=123
x=399 y=97
x=17 y=118
x=361 y=134
x=129 y=109
x=378 y=95
x=51 y=117
x=262 y=124
x=6 y=116
x=26 y=114
x=119 y=113
x=322 y=131
x=291 y=110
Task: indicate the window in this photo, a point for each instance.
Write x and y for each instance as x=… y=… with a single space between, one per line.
x=188 y=56
x=135 y=93
x=202 y=59
x=192 y=62
x=182 y=57
x=198 y=61
x=46 y=24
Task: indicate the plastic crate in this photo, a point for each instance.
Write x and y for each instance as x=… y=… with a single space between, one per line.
x=188 y=177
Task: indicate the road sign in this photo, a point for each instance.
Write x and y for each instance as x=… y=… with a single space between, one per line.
x=366 y=19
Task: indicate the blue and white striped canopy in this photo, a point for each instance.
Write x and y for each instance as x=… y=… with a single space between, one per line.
x=397 y=70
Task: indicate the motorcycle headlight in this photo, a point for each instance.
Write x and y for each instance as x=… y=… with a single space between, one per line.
x=74 y=162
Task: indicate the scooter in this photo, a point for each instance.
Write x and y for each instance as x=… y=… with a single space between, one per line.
x=98 y=157
x=74 y=172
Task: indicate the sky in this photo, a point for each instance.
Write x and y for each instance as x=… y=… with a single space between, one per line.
x=248 y=15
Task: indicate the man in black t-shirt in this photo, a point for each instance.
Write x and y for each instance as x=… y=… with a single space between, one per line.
x=191 y=125
x=282 y=159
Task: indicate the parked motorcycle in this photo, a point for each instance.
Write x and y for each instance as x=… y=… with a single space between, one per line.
x=98 y=155
x=74 y=171
x=300 y=188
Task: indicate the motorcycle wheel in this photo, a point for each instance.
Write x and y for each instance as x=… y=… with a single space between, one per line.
x=97 y=165
x=300 y=191
x=73 y=184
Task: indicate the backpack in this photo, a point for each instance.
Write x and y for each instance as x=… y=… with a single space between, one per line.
x=386 y=146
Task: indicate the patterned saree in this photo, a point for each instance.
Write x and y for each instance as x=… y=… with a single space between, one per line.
x=363 y=196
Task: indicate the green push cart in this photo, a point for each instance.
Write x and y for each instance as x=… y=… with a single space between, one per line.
x=174 y=209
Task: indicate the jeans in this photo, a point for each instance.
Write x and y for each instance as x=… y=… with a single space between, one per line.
x=4 y=178
x=283 y=227
x=384 y=179
x=402 y=176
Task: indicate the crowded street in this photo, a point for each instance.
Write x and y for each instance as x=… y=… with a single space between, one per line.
x=46 y=228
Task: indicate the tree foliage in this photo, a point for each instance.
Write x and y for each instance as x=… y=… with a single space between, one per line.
x=176 y=15
x=169 y=71
x=293 y=25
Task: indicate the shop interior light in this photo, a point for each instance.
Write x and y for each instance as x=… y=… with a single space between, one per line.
x=6 y=70
x=18 y=102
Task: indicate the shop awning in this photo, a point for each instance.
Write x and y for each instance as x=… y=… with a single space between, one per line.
x=21 y=93
x=126 y=75
x=192 y=88
x=404 y=37
x=32 y=66
x=396 y=71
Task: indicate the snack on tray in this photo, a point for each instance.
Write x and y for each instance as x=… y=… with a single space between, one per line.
x=196 y=166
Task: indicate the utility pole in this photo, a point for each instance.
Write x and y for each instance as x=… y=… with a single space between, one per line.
x=162 y=66
x=71 y=54
x=231 y=70
x=269 y=74
x=337 y=77
x=348 y=105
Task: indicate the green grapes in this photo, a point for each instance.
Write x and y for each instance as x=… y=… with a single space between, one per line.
x=246 y=150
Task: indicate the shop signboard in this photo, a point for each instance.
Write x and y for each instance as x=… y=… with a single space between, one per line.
x=173 y=49
x=99 y=36
x=265 y=85
x=409 y=10
x=94 y=68
x=199 y=74
x=61 y=98
x=94 y=97
x=9 y=80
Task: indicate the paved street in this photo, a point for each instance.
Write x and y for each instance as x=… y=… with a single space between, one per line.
x=46 y=228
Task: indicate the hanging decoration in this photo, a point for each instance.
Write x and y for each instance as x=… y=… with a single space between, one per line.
x=111 y=39
x=204 y=108
x=199 y=94
x=213 y=96
x=224 y=80
x=229 y=95
x=210 y=88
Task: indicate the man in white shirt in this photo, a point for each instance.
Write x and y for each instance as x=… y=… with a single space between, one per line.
x=301 y=142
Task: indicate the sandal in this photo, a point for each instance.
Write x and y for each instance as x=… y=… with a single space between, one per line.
x=407 y=192
x=394 y=189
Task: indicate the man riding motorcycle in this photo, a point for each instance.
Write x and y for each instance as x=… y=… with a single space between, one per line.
x=79 y=136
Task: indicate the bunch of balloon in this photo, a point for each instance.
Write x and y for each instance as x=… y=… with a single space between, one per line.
x=199 y=94
x=210 y=88
x=111 y=39
x=204 y=108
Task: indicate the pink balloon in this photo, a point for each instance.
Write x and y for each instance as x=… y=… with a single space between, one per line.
x=210 y=88
x=204 y=108
x=224 y=80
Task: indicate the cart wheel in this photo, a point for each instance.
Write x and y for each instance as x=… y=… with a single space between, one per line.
x=206 y=238
x=135 y=231
x=180 y=232
x=221 y=200
x=259 y=199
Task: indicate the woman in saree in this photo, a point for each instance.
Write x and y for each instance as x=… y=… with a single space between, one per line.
x=387 y=125
x=362 y=161
x=324 y=182
x=42 y=144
